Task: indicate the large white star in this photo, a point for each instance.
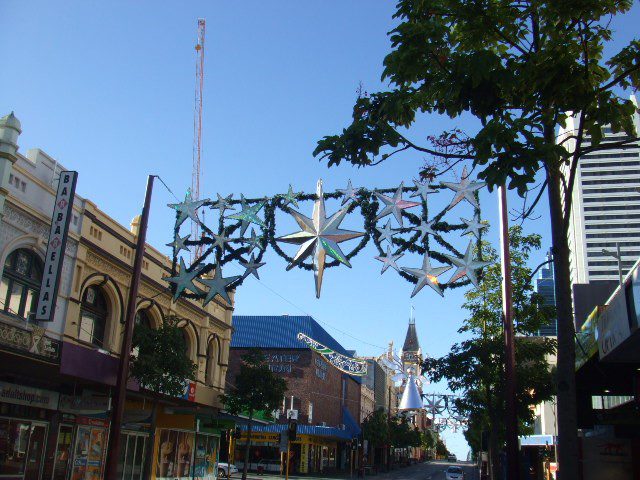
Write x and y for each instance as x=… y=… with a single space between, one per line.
x=427 y=275
x=389 y=260
x=319 y=236
x=474 y=225
x=465 y=189
x=187 y=209
x=422 y=190
x=425 y=228
x=349 y=193
x=178 y=244
x=184 y=280
x=251 y=267
x=218 y=285
x=394 y=204
x=467 y=266
x=386 y=233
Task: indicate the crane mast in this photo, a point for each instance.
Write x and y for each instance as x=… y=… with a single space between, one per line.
x=196 y=251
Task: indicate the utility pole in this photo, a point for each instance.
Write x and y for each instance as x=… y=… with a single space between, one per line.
x=511 y=420
x=111 y=472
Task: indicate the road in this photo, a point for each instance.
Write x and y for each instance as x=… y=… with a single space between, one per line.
x=432 y=471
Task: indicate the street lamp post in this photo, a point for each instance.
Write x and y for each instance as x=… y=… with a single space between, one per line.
x=618 y=256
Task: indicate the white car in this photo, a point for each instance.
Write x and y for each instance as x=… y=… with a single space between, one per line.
x=454 y=473
x=223 y=468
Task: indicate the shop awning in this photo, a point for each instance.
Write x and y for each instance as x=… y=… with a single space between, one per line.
x=350 y=422
x=317 y=430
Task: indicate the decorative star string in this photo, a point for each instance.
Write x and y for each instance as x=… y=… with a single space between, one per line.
x=389 y=260
x=467 y=266
x=465 y=190
x=427 y=275
x=394 y=204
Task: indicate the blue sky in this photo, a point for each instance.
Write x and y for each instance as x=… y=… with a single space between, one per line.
x=107 y=89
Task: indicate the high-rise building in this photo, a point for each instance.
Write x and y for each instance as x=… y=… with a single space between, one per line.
x=605 y=207
x=546 y=286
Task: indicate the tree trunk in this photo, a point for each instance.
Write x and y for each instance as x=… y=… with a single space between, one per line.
x=494 y=455
x=245 y=467
x=566 y=380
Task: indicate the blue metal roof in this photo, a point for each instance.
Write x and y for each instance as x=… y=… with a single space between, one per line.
x=303 y=430
x=279 y=331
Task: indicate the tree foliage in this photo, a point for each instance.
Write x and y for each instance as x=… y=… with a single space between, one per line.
x=159 y=360
x=376 y=428
x=475 y=367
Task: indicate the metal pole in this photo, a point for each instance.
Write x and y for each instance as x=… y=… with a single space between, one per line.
x=511 y=420
x=288 y=459
x=619 y=257
x=111 y=472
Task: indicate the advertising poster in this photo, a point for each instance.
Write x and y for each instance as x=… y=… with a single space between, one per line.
x=206 y=457
x=175 y=454
x=89 y=453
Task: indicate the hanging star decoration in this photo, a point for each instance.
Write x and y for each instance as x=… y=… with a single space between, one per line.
x=427 y=275
x=251 y=267
x=248 y=214
x=178 y=244
x=473 y=226
x=386 y=233
x=187 y=209
x=349 y=193
x=223 y=203
x=465 y=190
x=218 y=286
x=389 y=260
x=254 y=241
x=220 y=240
x=290 y=198
x=319 y=237
x=184 y=280
x=422 y=190
x=425 y=228
x=394 y=204
x=467 y=266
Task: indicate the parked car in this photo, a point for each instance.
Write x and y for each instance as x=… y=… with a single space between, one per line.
x=452 y=458
x=224 y=467
x=266 y=465
x=454 y=473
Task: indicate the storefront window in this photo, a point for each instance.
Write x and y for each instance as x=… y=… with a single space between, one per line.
x=175 y=454
x=93 y=316
x=206 y=457
x=20 y=283
x=63 y=452
x=14 y=441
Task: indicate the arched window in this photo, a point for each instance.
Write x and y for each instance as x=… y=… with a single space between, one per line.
x=212 y=362
x=93 y=316
x=187 y=342
x=143 y=318
x=20 y=284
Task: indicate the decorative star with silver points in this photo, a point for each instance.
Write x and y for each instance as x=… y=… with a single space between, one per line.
x=219 y=240
x=249 y=214
x=223 y=203
x=319 y=236
x=427 y=275
x=187 y=209
x=389 y=260
x=467 y=266
x=422 y=190
x=218 y=285
x=178 y=244
x=473 y=226
x=349 y=193
x=254 y=241
x=465 y=190
x=251 y=267
x=184 y=280
x=425 y=228
x=394 y=204
x=290 y=198
x=386 y=233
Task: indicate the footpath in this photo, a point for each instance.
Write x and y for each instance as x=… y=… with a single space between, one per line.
x=393 y=474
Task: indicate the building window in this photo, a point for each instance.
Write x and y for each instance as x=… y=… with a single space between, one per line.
x=143 y=318
x=212 y=360
x=20 y=284
x=93 y=316
x=310 y=412
x=187 y=342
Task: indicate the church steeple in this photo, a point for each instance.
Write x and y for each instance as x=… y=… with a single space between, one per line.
x=411 y=352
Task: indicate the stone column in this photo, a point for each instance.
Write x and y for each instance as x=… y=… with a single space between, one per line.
x=10 y=129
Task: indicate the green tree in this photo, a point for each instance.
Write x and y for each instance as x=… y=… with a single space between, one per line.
x=515 y=67
x=475 y=367
x=441 y=448
x=376 y=428
x=159 y=360
x=256 y=389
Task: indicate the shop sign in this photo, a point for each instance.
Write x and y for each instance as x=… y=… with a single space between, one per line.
x=321 y=369
x=32 y=397
x=56 y=246
x=281 y=363
x=84 y=405
x=613 y=325
x=586 y=345
x=190 y=391
x=261 y=437
x=32 y=342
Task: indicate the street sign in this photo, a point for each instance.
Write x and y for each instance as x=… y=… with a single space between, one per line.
x=292 y=414
x=284 y=441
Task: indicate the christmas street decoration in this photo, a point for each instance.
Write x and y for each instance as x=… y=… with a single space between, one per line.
x=411 y=398
x=352 y=366
x=322 y=242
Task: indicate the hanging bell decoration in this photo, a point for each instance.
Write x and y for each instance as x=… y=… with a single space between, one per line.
x=411 y=398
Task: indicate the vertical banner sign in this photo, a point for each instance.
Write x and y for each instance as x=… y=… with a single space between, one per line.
x=56 y=247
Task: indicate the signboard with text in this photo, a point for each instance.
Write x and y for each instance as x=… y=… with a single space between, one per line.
x=613 y=325
x=29 y=396
x=62 y=212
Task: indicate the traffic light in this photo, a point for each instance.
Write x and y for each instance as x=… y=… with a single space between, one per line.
x=293 y=431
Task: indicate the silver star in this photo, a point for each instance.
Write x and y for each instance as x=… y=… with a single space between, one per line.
x=389 y=260
x=290 y=197
x=465 y=189
x=427 y=275
x=422 y=190
x=349 y=193
x=394 y=204
x=249 y=214
x=467 y=266
x=254 y=241
x=474 y=225
x=223 y=203
x=252 y=267
x=425 y=228
x=178 y=244
x=184 y=280
x=319 y=237
x=218 y=285
x=187 y=209
x=220 y=240
x=386 y=233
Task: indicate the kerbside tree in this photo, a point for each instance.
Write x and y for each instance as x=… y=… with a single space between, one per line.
x=518 y=67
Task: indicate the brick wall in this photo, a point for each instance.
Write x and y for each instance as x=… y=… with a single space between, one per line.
x=309 y=379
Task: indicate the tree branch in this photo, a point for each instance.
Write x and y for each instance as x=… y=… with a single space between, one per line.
x=533 y=273
x=618 y=78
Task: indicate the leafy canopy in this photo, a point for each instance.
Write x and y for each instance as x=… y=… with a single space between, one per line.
x=256 y=387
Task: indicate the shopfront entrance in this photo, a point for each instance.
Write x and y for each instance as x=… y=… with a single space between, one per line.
x=22 y=446
x=134 y=446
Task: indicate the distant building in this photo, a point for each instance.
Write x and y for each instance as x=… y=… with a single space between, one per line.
x=545 y=285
